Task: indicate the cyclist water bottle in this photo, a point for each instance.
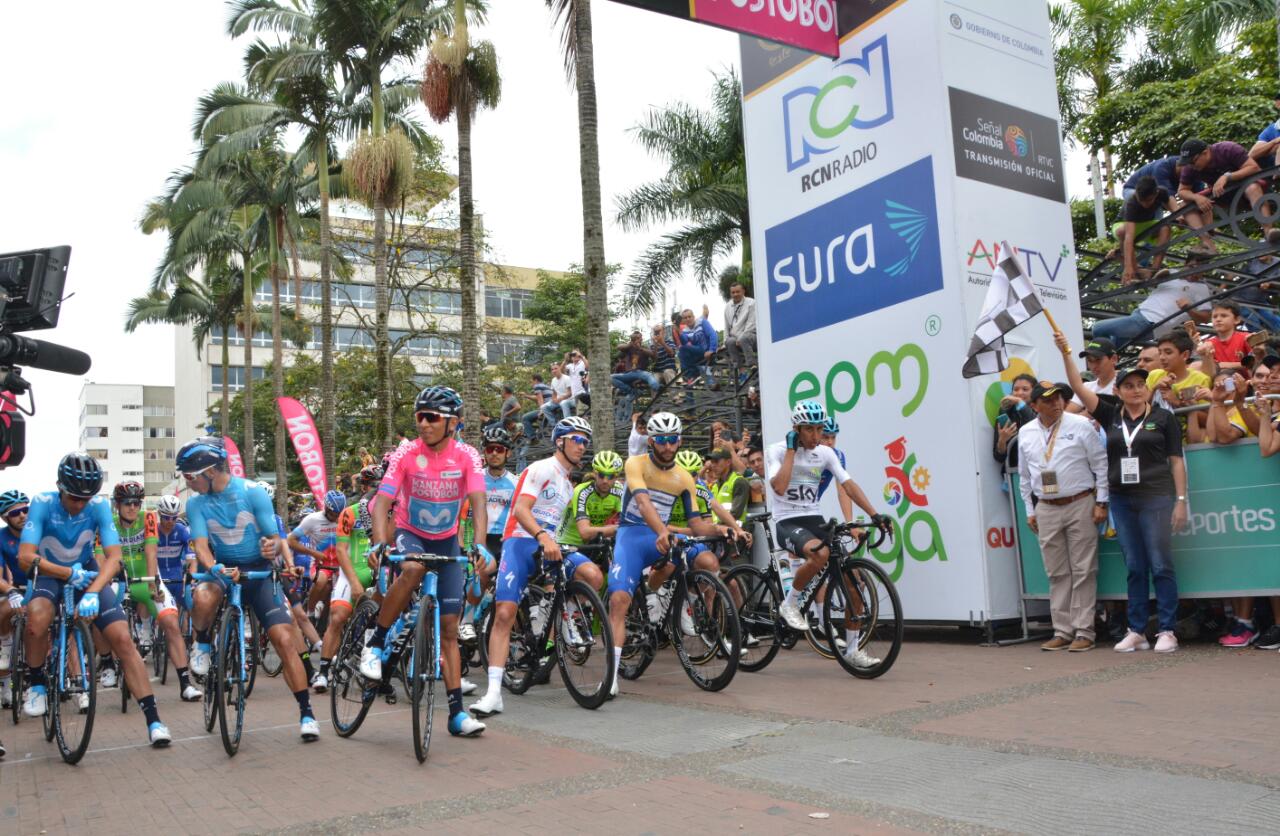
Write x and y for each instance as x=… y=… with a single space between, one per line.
x=786 y=573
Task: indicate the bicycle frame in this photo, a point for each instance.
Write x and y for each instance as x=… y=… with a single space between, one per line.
x=402 y=628
x=68 y=611
x=232 y=597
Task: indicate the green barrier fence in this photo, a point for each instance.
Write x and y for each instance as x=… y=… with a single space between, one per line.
x=1231 y=545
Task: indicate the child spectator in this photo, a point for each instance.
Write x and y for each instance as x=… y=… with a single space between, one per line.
x=1176 y=383
x=1228 y=347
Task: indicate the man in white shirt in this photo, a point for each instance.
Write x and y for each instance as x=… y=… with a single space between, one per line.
x=740 y=327
x=1185 y=293
x=1100 y=358
x=1062 y=469
x=575 y=367
x=638 y=441
x=562 y=390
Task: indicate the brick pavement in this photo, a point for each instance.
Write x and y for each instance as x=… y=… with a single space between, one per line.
x=956 y=738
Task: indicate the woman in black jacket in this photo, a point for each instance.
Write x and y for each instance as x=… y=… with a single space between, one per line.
x=1014 y=412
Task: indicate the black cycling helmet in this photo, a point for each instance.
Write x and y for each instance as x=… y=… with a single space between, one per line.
x=439 y=399
x=79 y=475
x=372 y=473
x=128 y=490
x=497 y=435
x=201 y=453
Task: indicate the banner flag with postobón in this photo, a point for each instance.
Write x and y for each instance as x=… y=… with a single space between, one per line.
x=306 y=443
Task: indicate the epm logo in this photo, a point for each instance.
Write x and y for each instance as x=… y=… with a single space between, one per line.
x=915 y=530
x=858 y=96
x=872 y=248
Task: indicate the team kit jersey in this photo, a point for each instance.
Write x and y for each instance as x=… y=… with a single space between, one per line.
x=322 y=534
x=134 y=538
x=9 y=557
x=827 y=476
x=429 y=486
x=636 y=546
x=173 y=550
x=589 y=504
x=233 y=520
x=547 y=481
x=804 y=490
x=702 y=499
x=68 y=540
x=357 y=542
x=498 y=494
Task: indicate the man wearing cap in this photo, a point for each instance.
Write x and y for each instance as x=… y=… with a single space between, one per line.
x=1264 y=150
x=730 y=488
x=1209 y=174
x=1100 y=358
x=1062 y=468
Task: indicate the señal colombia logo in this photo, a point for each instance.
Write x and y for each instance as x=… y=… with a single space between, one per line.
x=915 y=530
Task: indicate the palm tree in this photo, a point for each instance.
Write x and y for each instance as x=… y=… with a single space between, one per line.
x=1203 y=24
x=705 y=186
x=459 y=78
x=579 y=65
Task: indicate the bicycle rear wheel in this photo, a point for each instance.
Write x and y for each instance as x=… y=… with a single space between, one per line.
x=640 y=645
x=75 y=677
x=758 y=615
x=350 y=694
x=212 y=688
x=709 y=652
x=160 y=653
x=522 y=661
x=584 y=645
x=422 y=678
x=17 y=668
x=232 y=674
x=862 y=598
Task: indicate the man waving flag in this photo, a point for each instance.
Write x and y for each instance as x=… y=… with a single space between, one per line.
x=1011 y=300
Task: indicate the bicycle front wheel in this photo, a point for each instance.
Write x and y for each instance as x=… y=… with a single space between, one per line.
x=422 y=678
x=522 y=661
x=705 y=631
x=757 y=614
x=17 y=668
x=212 y=687
x=584 y=644
x=350 y=695
x=74 y=685
x=232 y=672
x=640 y=644
x=252 y=644
x=863 y=603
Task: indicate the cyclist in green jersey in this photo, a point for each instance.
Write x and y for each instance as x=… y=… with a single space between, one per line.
x=594 y=508
x=355 y=575
x=139 y=539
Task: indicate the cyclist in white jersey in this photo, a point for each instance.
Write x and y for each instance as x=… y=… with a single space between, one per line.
x=795 y=467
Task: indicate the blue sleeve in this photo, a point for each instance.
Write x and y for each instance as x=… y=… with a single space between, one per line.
x=713 y=342
x=280 y=526
x=195 y=519
x=1268 y=133
x=36 y=519
x=106 y=526
x=262 y=510
x=297 y=532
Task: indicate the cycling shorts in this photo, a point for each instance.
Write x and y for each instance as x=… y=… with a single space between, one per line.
x=634 y=550
x=517 y=565
x=794 y=532
x=141 y=594
x=177 y=592
x=263 y=596
x=109 y=609
x=342 y=587
x=450 y=576
x=493 y=542
x=296 y=590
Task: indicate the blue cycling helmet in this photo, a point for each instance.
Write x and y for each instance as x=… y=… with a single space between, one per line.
x=201 y=453
x=570 y=425
x=830 y=427
x=12 y=499
x=335 y=501
x=439 y=399
x=79 y=475
x=808 y=413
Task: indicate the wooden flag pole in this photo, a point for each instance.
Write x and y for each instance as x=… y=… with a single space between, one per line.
x=1052 y=324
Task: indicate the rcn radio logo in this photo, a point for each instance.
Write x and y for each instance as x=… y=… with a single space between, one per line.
x=859 y=95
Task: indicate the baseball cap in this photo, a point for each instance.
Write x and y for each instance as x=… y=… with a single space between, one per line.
x=1046 y=388
x=1190 y=150
x=1100 y=347
x=719 y=454
x=1123 y=374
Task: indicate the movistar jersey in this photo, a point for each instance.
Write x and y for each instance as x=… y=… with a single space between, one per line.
x=64 y=538
x=233 y=520
x=588 y=504
x=172 y=551
x=9 y=557
x=702 y=498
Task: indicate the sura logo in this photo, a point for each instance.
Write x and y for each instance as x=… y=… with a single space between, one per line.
x=915 y=530
x=858 y=95
x=869 y=249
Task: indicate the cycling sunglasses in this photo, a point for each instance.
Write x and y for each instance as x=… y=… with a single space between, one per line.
x=168 y=518
x=666 y=439
x=579 y=439
x=16 y=512
x=496 y=448
x=132 y=503
x=430 y=417
x=201 y=472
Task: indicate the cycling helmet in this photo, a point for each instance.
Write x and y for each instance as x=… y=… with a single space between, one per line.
x=808 y=413
x=269 y=488
x=335 y=501
x=830 y=427
x=372 y=473
x=689 y=460
x=440 y=399
x=567 y=426
x=201 y=453
x=79 y=475
x=168 y=505
x=128 y=490
x=664 y=423
x=12 y=499
x=607 y=463
x=497 y=435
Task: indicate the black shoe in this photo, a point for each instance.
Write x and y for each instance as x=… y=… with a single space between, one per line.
x=1270 y=638
x=387 y=691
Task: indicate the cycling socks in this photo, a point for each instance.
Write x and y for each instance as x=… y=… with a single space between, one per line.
x=379 y=636
x=455 y=701
x=148 y=706
x=184 y=679
x=304 y=703
x=305 y=656
x=37 y=677
x=205 y=637
x=495 y=678
x=617 y=660
x=324 y=667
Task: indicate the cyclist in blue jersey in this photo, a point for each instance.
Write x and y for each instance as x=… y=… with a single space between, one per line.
x=173 y=560
x=830 y=429
x=233 y=529
x=56 y=549
x=14 y=506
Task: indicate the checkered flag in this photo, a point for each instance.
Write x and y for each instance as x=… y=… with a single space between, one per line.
x=1011 y=300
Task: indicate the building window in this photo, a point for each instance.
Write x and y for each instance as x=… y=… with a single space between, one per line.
x=235 y=377
x=160 y=432
x=261 y=337
x=131 y=406
x=95 y=409
x=95 y=432
x=499 y=347
x=131 y=429
x=100 y=455
x=506 y=302
x=133 y=473
x=131 y=451
x=163 y=453
x=151 y=411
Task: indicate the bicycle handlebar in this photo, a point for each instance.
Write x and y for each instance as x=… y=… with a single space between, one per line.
x=257 y=575
x=400 y=557
x=876 y=535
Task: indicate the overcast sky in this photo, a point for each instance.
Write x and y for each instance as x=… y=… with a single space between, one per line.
x=96 y=118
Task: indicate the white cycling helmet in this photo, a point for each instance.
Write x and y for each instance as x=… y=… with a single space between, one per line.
x=168 y=505
x=269 y=488
x=570 y=425
x=664 y=423
x=808 y=413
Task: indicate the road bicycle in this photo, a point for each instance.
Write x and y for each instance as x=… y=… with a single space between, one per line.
x=853 y=594
x=18 y=659
x=567 y=625
x=70 y=674
x=699 y=620
x=147 y=637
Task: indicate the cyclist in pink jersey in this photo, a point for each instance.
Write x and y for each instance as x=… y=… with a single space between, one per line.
x=428 y=479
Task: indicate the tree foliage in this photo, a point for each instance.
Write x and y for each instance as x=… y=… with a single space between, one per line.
x=558 y=312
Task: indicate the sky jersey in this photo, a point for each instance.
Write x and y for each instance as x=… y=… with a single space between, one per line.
x=804 y=490
x=172 y=551
x=134 y=538
x=65 y=539
x=233 y=520
x=826 y=474
x=321 y=534
x=499 y=492
x=547 y=481
x=664 y=487
x=9 y=557
x=429 y=486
